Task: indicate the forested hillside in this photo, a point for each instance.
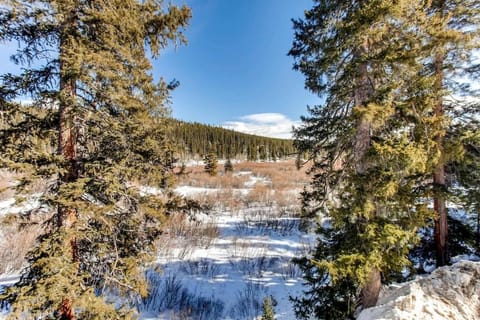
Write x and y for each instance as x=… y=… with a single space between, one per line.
x=195 y=140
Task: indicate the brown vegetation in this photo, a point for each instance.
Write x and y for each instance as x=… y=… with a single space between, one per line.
x=275 y=186
x=277 y=183
x=17 y=238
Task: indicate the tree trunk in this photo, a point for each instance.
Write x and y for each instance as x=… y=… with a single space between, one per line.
x=477 y=236
x=441 y=224
x=363 y=92
x=67 y=148
x=66 y=310
x=371 y=290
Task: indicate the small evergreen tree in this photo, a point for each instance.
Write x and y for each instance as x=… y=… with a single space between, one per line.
x=211 y=164
x=268 y=312
x=262 y=150
x=228 y=166
x=252 y=154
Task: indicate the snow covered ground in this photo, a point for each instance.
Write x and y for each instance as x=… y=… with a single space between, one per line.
x=450 y=292
x=221 y=263
x=229 y=277
x=10 y=206
x=227 y=274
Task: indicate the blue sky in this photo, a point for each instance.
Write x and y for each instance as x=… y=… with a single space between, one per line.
x=235 y=71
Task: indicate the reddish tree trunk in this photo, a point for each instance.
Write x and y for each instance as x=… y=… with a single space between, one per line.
x=363 y=92
x=67 y=148
x=66 y=310
x=371 y=290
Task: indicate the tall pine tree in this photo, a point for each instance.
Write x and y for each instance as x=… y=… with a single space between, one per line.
x=452 y=37
x=96 y=124
x=368 y=149
x=383 y=138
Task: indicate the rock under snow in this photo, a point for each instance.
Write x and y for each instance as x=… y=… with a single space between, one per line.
x=451 y=292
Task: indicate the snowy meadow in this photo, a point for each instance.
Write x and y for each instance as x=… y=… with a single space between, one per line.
x=218 y=261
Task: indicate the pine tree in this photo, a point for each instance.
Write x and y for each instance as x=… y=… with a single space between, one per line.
x=211 y=164
x=228 y=166
x=362 y=56
x=464 y=141
x=262 y=152
x=268 y=312
x=381 y=135
x=252 y=154
x=452 y=31
x=97 y=123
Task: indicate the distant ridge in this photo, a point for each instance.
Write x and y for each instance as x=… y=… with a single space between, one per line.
x=195 y=140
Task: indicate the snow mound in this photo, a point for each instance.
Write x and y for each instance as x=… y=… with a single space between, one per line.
x=451 y=292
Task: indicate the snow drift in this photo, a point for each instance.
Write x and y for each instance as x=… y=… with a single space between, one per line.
x=450 y=292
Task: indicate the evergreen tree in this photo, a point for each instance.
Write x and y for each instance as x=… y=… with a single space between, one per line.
x=211 y=164
x=452 y=31
x=381 y=134
x=252 y=154
x=465 y=167
x=362 y=56
x=97 y=122
x=262 y=152
x=268 y=312
x=228 y=166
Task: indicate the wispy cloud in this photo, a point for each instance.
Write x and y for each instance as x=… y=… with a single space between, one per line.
x=275 y=125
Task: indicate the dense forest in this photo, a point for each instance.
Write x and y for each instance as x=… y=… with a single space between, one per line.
x=195 y=140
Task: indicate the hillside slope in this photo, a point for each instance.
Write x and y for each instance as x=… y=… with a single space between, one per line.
x=195 y=140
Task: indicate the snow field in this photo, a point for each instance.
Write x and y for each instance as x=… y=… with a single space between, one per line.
x=232 y=274
x=221 y=264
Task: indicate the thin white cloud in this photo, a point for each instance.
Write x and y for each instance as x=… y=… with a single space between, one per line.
x=275 y=125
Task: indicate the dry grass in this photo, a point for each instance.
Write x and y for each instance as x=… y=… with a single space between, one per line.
x=222 y=199
x=7 y=181
x=16 y=241
x=182 y=236
x=282 y=174
x=197 y=177
x=260 y=194
x=281 y=183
